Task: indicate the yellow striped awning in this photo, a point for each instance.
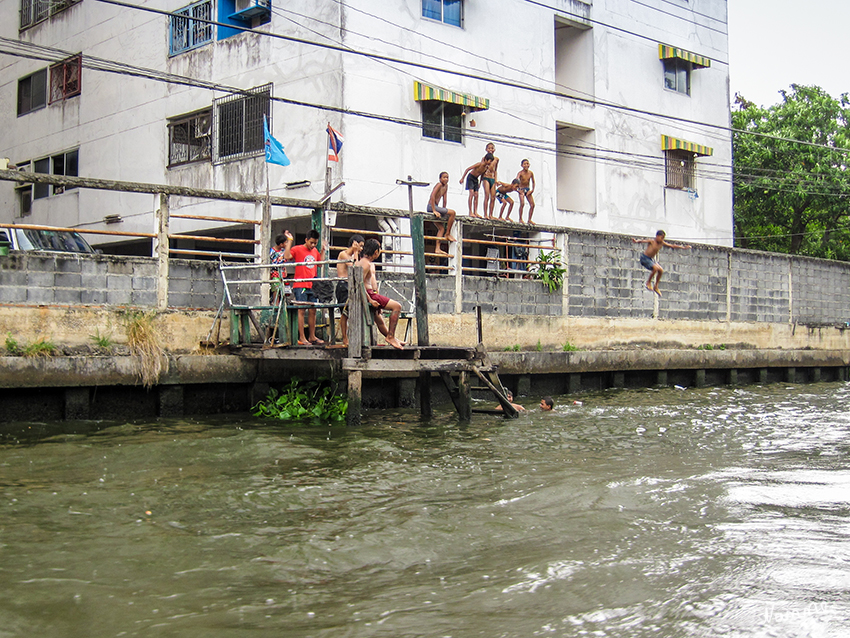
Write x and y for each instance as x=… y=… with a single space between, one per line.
x=669 y=143
x=665 y=52
x=422 y=92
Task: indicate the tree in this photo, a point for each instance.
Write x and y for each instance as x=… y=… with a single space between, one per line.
x=791 y=174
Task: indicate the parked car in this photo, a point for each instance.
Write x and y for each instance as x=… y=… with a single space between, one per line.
x=63 y=241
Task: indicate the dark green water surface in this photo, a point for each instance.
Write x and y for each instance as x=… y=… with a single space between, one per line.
x=659 y=513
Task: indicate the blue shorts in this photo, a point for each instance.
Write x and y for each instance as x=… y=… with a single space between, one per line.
x=304 y=295
x=647 y=262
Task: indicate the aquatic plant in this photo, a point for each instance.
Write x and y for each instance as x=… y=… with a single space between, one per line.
x=304 y=400
x=145 y=342
x=549 y=270
x=568 y=347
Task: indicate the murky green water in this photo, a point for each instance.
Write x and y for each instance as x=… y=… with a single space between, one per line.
x=639 y=513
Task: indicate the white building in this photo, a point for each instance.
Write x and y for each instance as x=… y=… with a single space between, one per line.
x=621 y=106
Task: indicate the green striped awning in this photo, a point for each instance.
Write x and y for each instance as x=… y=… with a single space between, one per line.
x=669 y=143
x=422 y=92
x=665 y=52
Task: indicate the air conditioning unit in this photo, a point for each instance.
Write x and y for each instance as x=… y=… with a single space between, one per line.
x=247 y=9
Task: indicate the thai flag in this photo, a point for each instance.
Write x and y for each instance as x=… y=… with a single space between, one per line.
x=335 y=140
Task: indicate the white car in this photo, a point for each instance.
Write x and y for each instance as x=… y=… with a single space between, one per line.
x=63 y=241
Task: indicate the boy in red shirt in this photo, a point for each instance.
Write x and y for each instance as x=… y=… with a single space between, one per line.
x=303 y=290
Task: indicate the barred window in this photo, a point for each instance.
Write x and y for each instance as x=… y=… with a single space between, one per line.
x=32 y=92
x=189 y=138
x=680 y=168
x=34 y=11
x=65 y=79
x=238 y=124
x=186 y=28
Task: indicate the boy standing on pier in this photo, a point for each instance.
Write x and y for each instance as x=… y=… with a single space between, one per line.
x=648 y=261
x=307 y=254
x=371 y=251
x=526 y=189
x=472 y=175
x=437 y=194
x=345 y=257
x=488 y=182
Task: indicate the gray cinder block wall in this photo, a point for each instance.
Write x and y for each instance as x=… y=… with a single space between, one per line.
x=603 y=279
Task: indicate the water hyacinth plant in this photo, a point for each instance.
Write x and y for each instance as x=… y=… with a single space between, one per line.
x=304 y=400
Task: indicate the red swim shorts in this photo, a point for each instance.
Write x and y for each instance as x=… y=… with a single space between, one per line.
x=382 y=301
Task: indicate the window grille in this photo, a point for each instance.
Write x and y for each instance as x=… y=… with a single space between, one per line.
x=238 y=124
x=66 y=79
x=187 y=29
x=680 y=167
x=189 y=138
x=34 y=11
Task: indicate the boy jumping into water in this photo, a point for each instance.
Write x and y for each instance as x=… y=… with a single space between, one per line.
x=439 y=193
x=472 y=175
x=371 y=251
x=526 y=189
x=648 y=261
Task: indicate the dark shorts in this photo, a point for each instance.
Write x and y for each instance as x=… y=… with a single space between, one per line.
x=647 y=262
x=472 y=182
x=382 y=301
x=503 y=197
x=491 y=181
x=304 y=295
x=342 y=292
x=440 y=209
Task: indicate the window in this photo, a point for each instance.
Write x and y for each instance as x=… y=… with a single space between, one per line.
x=66 y=163
x=65 y=79
x=189 y=138
x=34 y=11
x=32 y=92
x=442 y=120
x=238 y=124
x=448 y=11
x=186 y=29
x=677 y=75
x=680 y=169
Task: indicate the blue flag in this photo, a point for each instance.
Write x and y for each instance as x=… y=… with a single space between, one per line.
x=274 y=149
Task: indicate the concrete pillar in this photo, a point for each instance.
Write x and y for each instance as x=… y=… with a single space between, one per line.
x=699 y=378
x=816 y=375
x=171 y=400
x=762 y=375
x=619 y=380
x=355 y=396
x=662 y=378
x=791 y=375
x=733 y=377
x=161 y=251
x=574 y=383
x=77 y=404
x=407 y=392
x=523 y=385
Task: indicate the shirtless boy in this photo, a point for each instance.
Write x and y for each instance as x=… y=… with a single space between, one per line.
x=472 y=175
x=526 y=189
x=437 y=194
x=647 y=259
x=371 y=251
x=503 y=192
x=488 y=182
x=346 y=257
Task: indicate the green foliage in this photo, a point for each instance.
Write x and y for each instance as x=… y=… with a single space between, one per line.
x=790 y=197
x=550 y=270
x=568 y=347
x=708 y=346
x=40 y=348
x=539 y=347
x=513 y=348
x=12 y=345
x=302 y=400
x=102 y=341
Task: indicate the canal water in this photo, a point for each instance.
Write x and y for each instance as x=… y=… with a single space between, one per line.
x=664 y=513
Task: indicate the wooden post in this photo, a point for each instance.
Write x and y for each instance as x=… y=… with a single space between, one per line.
x=355 y=343
x=417 y=235
x=464 y=396
x=161 y=252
